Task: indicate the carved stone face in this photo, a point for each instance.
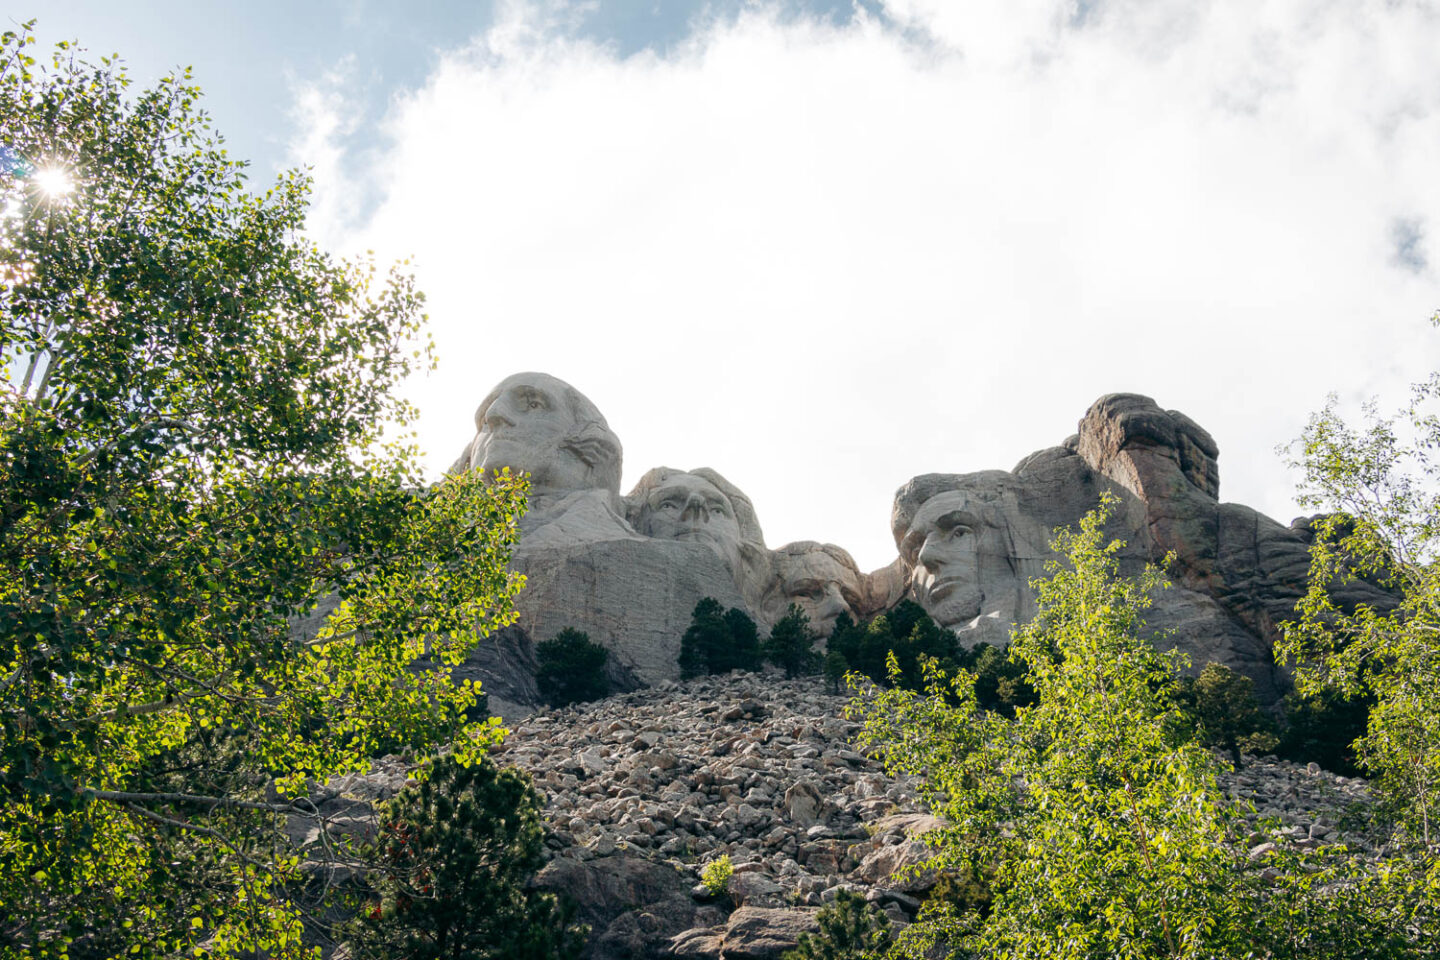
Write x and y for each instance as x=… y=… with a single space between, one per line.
x=689 y=507
x=820 y=585
x=524 y=428
x=944 y=545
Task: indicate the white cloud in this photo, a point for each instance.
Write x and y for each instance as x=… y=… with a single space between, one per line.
x=824 y=258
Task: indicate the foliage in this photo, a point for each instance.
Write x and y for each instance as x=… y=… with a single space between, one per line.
x=834 y=669
x=571 y=668
x=1322 y=728
x=791 y=644
x=191 y=414
x=716 y=875
x=718 y=641
x=1001 y=681
x=1382 y=483
x=1099 y=835
x=1085 y=828
x=850 y=929
x=1220 y=709
x=906 y=630
x=455 y=854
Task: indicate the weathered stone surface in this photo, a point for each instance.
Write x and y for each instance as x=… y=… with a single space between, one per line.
x=643 y=789
x=629 y=571
x=760 y=933
x=701 y=506
x=824 y=581
x=972 y=542
x=632 y=905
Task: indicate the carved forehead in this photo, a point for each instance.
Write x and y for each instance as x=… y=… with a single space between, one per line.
x=687 y=483
x=978 y=489
x=557 y=392
x=818 y=567
x=975 y=508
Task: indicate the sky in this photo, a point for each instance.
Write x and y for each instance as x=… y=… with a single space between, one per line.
x=823 y=247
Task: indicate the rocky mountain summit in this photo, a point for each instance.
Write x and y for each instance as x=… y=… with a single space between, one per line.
x=628 y=570
x=647 y=787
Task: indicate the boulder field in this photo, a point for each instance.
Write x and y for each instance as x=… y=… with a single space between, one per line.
x=644 y=789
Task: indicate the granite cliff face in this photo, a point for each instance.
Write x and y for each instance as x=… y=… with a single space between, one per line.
x=628 y=570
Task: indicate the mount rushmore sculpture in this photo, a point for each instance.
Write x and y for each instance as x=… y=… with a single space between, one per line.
x=629 y=569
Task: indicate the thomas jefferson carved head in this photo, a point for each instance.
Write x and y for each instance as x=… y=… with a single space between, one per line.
x=535 y=423
x=697 y=505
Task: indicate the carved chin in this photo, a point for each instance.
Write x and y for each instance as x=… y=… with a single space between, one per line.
x=954 y=607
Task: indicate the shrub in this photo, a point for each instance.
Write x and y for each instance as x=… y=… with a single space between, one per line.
x=850 y=929
x=716 y=875
x=571 y=668
x=455 y=854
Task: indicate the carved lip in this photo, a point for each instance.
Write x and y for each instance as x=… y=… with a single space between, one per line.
x=944 y=587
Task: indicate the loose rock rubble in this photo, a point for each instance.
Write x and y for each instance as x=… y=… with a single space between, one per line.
x=644 y=789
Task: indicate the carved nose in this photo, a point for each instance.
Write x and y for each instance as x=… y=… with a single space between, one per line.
x=695 y=509
x=832 y=603
x=929 y=557
x=495 y=418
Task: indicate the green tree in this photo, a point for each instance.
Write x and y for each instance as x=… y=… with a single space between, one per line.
x=455 y=855
x=1084 y=828
x=1220 y=707
x=850 y=929
x=571 y=669
x=192 y=409
x=1380 y=484
x=1100 y=837
x=906 y=630
x=791 y=643
x=718 y=641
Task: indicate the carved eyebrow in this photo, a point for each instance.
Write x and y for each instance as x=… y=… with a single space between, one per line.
x=527 y=393
x=957 y=518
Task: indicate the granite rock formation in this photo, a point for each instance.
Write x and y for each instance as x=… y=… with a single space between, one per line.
x=629 y=570
x=972 y=542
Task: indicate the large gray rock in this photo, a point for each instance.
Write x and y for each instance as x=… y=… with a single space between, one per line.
x=633 y=596
x=633 y=906
x=586 y=566
x=972 y=542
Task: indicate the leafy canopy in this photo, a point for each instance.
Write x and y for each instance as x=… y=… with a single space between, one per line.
x=1087 y=826
x=1382 y=484
x=192 y=411
x=571 y=668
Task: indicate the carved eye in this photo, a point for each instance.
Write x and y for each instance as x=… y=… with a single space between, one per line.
x=715 y=506
x=957 y=532
x=670 y=505
x=534 y=404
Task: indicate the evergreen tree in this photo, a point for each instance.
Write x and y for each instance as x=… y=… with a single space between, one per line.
x=850 y=929
x=791 y=644
x=571 y=669
x=454 y=857
x=718 y=641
